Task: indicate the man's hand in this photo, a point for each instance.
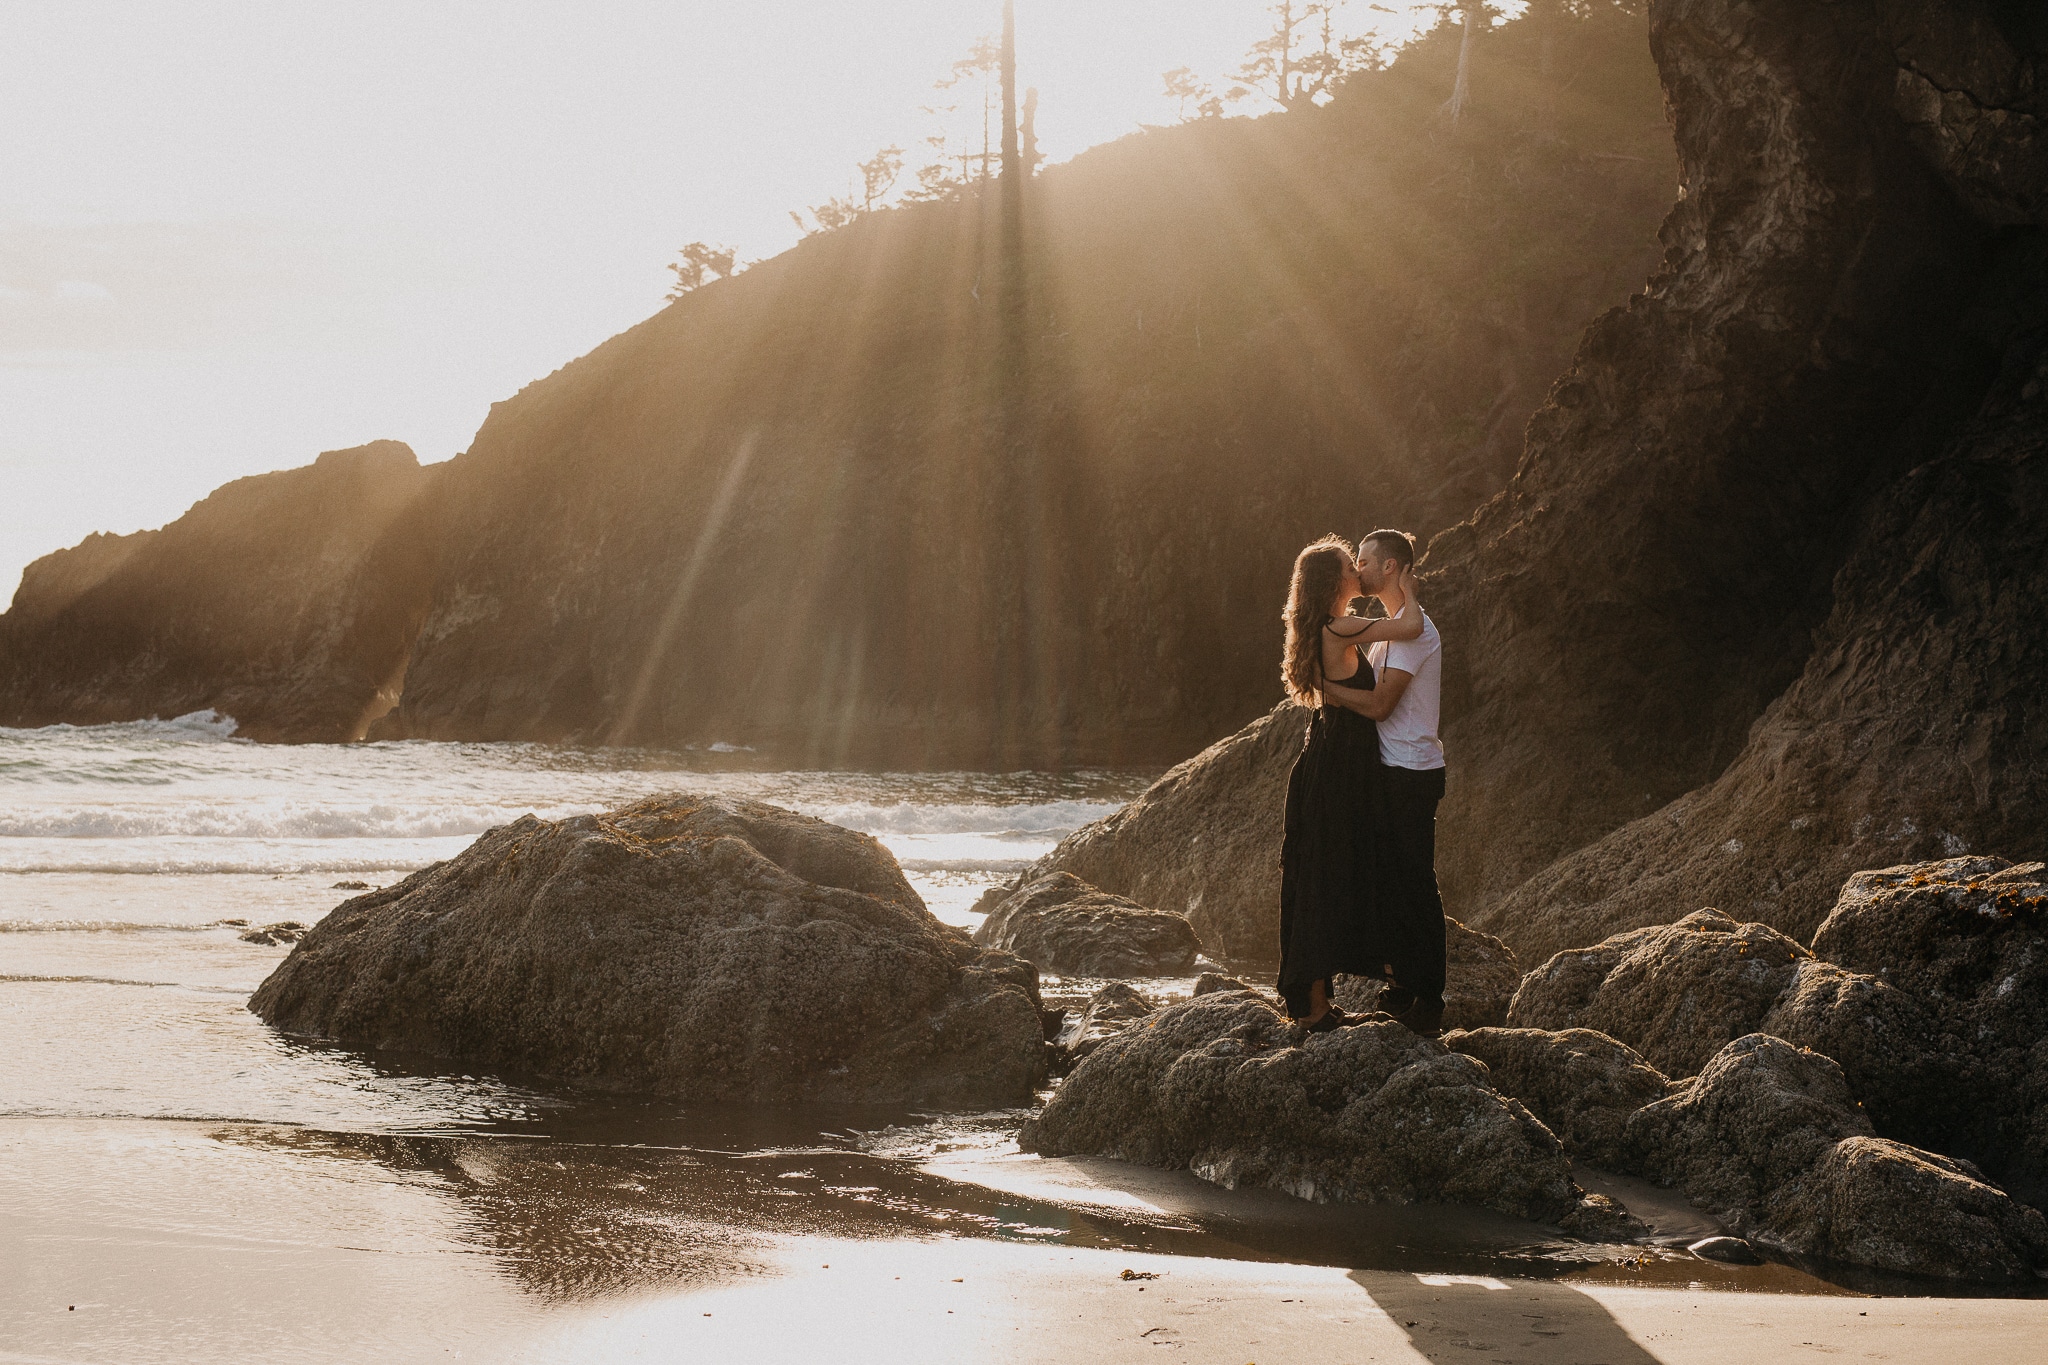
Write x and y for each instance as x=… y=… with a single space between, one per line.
x=1376 y=704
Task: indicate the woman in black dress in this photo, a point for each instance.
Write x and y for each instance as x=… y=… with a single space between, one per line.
x=1328 y=855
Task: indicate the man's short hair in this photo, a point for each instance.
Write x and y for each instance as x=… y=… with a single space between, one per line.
x=1391 y=544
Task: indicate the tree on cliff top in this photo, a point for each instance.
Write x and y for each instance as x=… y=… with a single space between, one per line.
x=877 y=177
x=1294 y=64
x=699 y=264
x=1191 y=92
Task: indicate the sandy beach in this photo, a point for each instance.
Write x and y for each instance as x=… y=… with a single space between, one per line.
x=183 y=1242
x=952 y=1299
x=899 y=1303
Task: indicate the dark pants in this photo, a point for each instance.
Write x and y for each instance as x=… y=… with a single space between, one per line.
x=1409 y=885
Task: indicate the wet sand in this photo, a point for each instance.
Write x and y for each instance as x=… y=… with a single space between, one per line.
x=983 y=1301
x=150 y=1240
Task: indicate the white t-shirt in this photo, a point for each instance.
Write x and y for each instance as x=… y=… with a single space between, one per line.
x=1408 y=735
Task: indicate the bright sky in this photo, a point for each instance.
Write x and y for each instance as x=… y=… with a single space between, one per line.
x=233 y=235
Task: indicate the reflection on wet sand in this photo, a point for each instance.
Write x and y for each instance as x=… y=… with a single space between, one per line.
x=601 y=1222
x=596 y=1215
x=612 y=1197
x=569 y=1220
x=583 y=1194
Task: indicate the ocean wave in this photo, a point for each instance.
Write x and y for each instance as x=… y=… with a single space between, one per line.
x=319 y=1118
x=121 y=981
x=114 y=926
x=207 y=724
x=257 y=864
x=324 y=820
x=965 y=864
x=266 y=820
x=95 y=926
x=253 y=863
x=1056 y=818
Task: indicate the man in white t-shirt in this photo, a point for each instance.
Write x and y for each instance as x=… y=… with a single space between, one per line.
x=1405 y=701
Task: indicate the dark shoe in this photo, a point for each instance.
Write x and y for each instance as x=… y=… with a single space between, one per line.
x=1332 y=1020
x=1396 y=1000
x=1425 y=1019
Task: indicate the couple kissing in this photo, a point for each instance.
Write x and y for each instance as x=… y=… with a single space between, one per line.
x=1358 y=891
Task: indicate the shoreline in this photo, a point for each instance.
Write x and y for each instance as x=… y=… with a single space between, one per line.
x=181 y=1240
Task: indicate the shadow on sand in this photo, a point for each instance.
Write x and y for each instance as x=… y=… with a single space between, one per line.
x=1532 y=1322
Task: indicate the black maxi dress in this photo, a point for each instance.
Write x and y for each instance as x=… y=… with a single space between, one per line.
x=1331 y=860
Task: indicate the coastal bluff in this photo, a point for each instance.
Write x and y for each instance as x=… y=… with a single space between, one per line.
x=1766 y=602
x=1002 y=549
x=276 y=600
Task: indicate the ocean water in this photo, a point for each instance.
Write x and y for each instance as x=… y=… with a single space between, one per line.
x=133 y=857
x=180 y=1183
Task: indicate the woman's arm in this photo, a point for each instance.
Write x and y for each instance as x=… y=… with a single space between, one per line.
x=1406 y=626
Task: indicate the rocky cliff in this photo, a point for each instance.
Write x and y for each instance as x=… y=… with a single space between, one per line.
x=1786 y=606
x=276 y=600
x=1709 y=481
x=849 y=507
x=1764 y=601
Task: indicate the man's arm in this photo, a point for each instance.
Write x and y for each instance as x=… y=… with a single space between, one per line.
x=1377 y=704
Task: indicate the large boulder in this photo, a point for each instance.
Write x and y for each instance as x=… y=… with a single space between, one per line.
x=1761 y=1114
x=1204 y=840
x=1480 y=978
x=1061 y=924
x=1677 y=993
x=1222 y=1086
x=1936 y=1012
x=1967 y=939
x=1583 y=1085
x=1969 y=933
x=1769 y=1139
x=1874 y=1202
x=1108 y=1013
x=689 y=946
x=1918 y=1082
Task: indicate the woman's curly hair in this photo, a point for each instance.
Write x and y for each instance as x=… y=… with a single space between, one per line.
x=1317 y=571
